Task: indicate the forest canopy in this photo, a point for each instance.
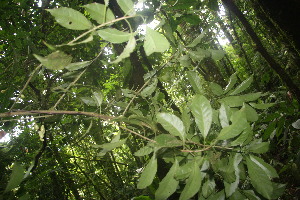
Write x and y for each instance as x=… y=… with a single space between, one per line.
x=148 y=99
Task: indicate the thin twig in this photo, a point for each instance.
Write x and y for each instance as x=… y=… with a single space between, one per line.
x=135 y=133
x=25 y=86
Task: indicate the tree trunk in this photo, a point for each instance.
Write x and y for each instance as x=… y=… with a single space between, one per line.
x=262 y=50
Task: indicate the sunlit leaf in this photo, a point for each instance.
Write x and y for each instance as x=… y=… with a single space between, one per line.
x=217 y=54
x=127 y=50
x=147 y=91
x=224 y=115
x=77 y=65
x=70 y=18
x=198 y=55
x=112 y=145
x=202 y=112
x=127 y=6
x=232 y=101
x=89 y=101
x=155 y=42
x=99 y=11
x=172 y=124
x=98 y=96
x=114 y=36
x=195 y=81
x=208 y=187
x=232 y=82
x=55 y=61
x=148 y=174
x=168 y=185
x=243 y=86
x=16 y=177
x=259 y=147
x=267 y=168
x=296 y=124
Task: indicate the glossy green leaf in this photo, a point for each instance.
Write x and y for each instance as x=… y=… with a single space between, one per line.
x=144 y=151
x=243 y=86
x=127 y=6
x=202 y=112
x=99 y=12
x=259 y=179
x=172 y=124
x=224 y=115
x=296 y=124
x=55 y=61
x=217 y=54
x=70 y=18
x=148 y=174
x=168 y=185
x=193 y=183
x=16 y=177
x=127 y=50
x=114 y=36
x=232 y=82
x=77 y=65
x=236 y=127
x=251 y=114
x=267 y=168
x=147 y=91
x=195 y=81
x=262 y=106
x=259 y=147
x=155 y=42
x=208 y=187
x=216 y=88
x=166 y=140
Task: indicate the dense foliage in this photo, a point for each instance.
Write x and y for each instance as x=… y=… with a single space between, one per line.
x=122 y=99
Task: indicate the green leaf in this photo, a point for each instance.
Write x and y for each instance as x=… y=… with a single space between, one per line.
x=262 y=106
x=250 y=195
x=16 y=177
x=198 y=39
x=216 y=54
x=230 y=188
x=127 y=50
x=259 y=147
x=243 y=137
x=99 y=11
x=148 y=174
x=70 y=18
x=186 y=118
x=185 y=61
x=172 y=124
x=147 y=91
x=193 y=183
x=208 y=187
x=155 y=42
x=89 y=101
x=202 y=112
x=114 y=36
x=144 y=151
x=198 y=55
x=218 y=196
x=55 y=61
x=77 y=65
x=251 y=114
x=195 y=81
x=166 y=140
x=236 y=127
x=232 y=101
x=224 y=115
x=251 y=96
x=232 y=82
x=216 y=88
x=268 y=169
x=296 y=124
x=98 y=96
x=127 y=6
x=259 y=179
x=243 y=86
x=168 y=185
x=112 y=145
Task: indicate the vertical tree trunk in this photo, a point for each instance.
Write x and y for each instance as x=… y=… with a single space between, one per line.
x=262 y=50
